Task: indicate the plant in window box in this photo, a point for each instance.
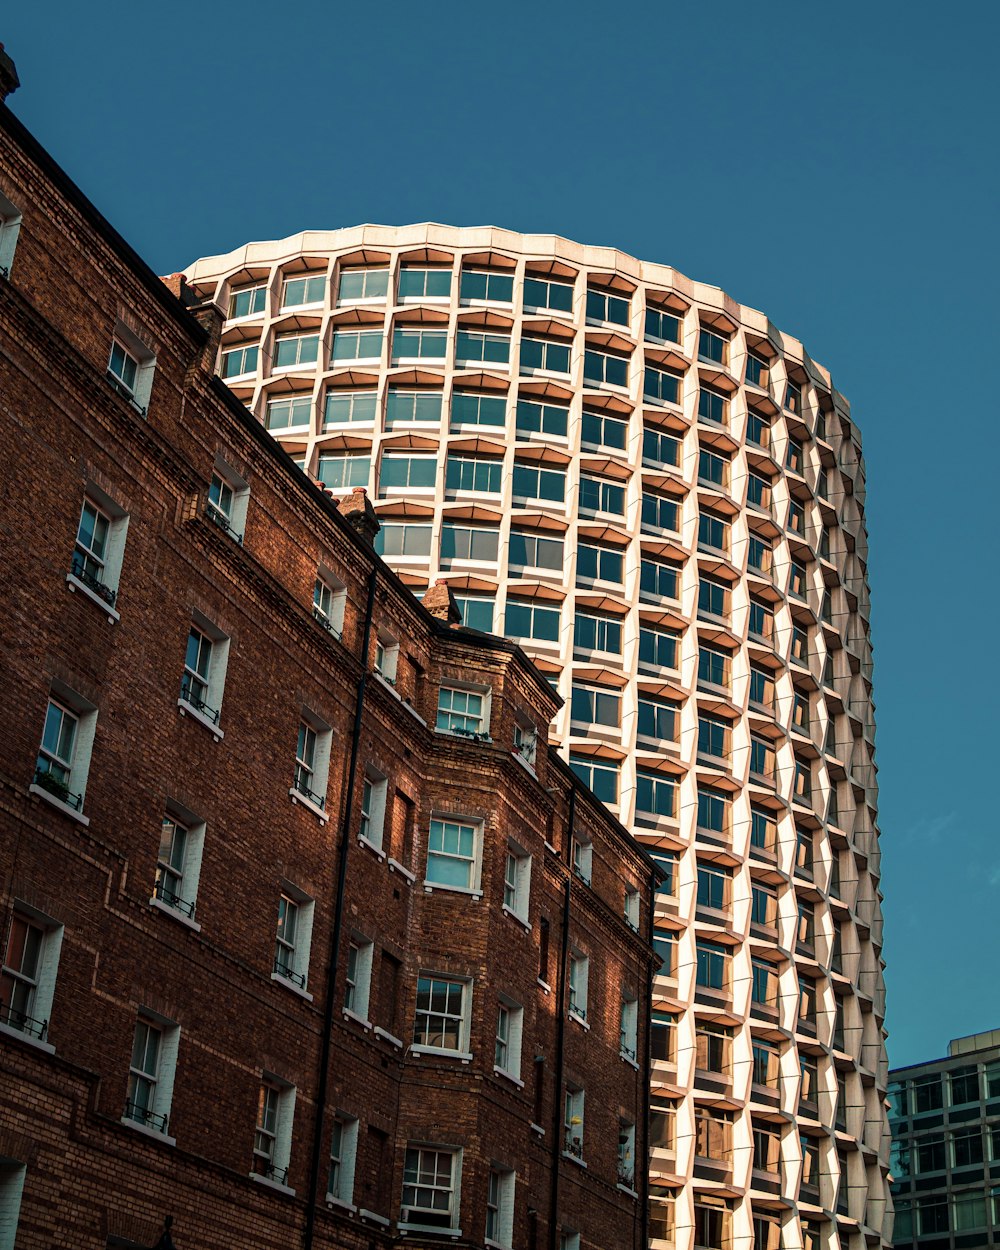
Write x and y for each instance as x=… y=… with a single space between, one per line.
x=57 y=787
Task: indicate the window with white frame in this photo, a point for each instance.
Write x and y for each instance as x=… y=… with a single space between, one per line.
x=363 y=285
x=386 y=656
x=329 y=602
x=343 y=1160
x=500 y=1207
x=28 y=973
x=63 y=761
x=583 y=858
x=312 y=760
x=373 y=800
x=291 y=412
x=272 y=1139
x=12 y=1173
x=295 y=351
x=454 y=851
x=130 y=367
x=569 y=1239
x=239 y=360
x=443 y=1014
x=517 y=881
x=358 y=977
x=293 y=937
x=463 y=711
x=355 y=345
x=349 y=407
x=306 y=288
x=178 y=861
x=579 y=976
x=151 y=1073
x=541 y=293
x=10 y=227
x=248 y=301
x=525 y=740
x=206 y=658
x=507 y=1047
x=628 y=1033
x=100 y=547
x=228 y=497
x=430 y=1196
x=626 y=1154
x=573 y=1121
x=632 y=908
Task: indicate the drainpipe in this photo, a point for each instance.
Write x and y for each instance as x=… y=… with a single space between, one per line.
x=561 y=1040
x=647 y=1070
x=338 y=923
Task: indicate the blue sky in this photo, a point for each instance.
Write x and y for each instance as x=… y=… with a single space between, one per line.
x=834 y=165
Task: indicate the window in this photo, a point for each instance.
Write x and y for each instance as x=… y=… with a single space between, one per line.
x=373 y=800
x=358 y=977
x=178 y=862
x=626 y=1154
x=758 y=492
x=712 y=970
x=312 y=761
x=411 y=407
x=418 y=344
x=713 y=598
x=472 y=347
x=477 y=612
x=969 y=1211
x=507 y=1048
x=714 y=887
x=306 y=289
x=442 y=1014
x=794 y=456
x=600 y=774
x=293 y=413
x=810 y=1162
x=151 y=1074
x=400 y=471
x=661 y=386
x=606 y=307
x=486 y=285
x=343 y=1158
x=713 y=406
x=130 y=367
x=756 y=371
x=666 y=861
x=63 y=761
x=469 y=408
x=761 y=620
x=796 y=579
x=713 y=531
x=247 y=302
x=713 y=665
x=341 y=471
x=927 y=1095
x=473 y=473
x=28 y=974
x=356 y=345
x=663 y=1040
x=539 y=293
x=395 y=539
x=599 y=430
x=272 y=1141
x=802 y=781
x=800 y=644
x=765 y=1065
x=796 y=517
x=963 y=1085
x=342 y=408
x=10 y=226
x=764 y=984
x=579 y=975
x=763 y=905
x=462 y=711
x=663 y=326
x=713 y=469
x=807 y=1002
x=713 y=1047
x=357 y=285
x=550 y=355
x=517 y=881
x=424 y=284
x=597 y=633
x=762 y=758
x=657 y=719
x=538 y=418
x=430 y=1189
x=532 y=481
x=596 y=563
x=800 y=714
x=583 y=858
x=661 y=1213
x=713 y=1134
x=758 y=430
x=803 y=852
x=531 y=550
x=761 y=687
x=713 y=736
x=665 y=950
x=386 y=660
x=655 y=793
x=599 y=495
x=460 y=542
x=239 y=361
x=712 y=348
x=659 y=579
x=292 y=351
x=573 y=1122
x=763 y=829
x=528 y=619
x=603 y=369
x=628 y=1032
x=658 y=647
x=99 y=548
x=329 y=602
x=453 y=853
x=500 y=1207
x=660 y=448
x=293 y=937
x=660 y=512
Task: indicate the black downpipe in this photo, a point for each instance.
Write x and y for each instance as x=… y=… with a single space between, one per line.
x=647 y=1071
x=561 y=1039
x=338 y=924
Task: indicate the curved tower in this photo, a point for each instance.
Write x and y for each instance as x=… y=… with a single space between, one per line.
x=662 y=497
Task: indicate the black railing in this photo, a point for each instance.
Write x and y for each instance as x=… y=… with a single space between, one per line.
x=4 y=271
x=285 y=970
x=574 y=1145
x=199 y=704
x=166 y=895
x=626 y=1051
x=476 y=735
x=90 y=580
x=268 y=1170
x=143 y=1115
x=626 y=1174
x=216 y=515
x=325 y=621
x=576 y=1010
x=125 y=392
x=58 y=789
x=301 y=786
x=22 y=1022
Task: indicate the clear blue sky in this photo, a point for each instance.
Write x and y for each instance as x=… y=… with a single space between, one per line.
x=832 y=164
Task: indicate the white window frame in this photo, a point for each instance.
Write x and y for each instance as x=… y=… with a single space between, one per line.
x=291 y=949
x=482 y=734
x=12 y=1174
x=500 y=1188
x=366 y=270
x=137 y=392
x=454 y=1189
x=525 y=741
x=579 y=982
x=628 y=1032
x=343 y=1158
x=573 y=1122
x=517 y=883
x=180 y=903
x=41 y=979
x=298 y=339
x=386 y=656
x=329 y=601
x=464 y=1018
x=251 y=288
x=100 y=584
x=626 y=1155
x=155 y=1118
x=358 y=978
x=631 y=907
x=374 y=796
x=583 y=858
x=440 y=852
x=280 y=1137
x=293 y=403
x=509 y=1034
x=231 y=516
x=364 y=334
x=77 y=764
x=314 y=777
x=10 y=228
x=307 y=276
x=214 y=680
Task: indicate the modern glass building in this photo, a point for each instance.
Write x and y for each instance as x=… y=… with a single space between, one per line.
x=662 y=497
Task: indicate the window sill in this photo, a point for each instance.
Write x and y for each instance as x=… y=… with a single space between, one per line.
x=58 y=804
x=544 y=985
x=508 y=1076
x=625 y=1189
x=430 y=887
x=186 y=709
x=525 y=925
x=300 y=990
x=297 y=797
x=626 y=1059
x=188 y=921
x=384 y=1033
x=529 y=768
x=374 y=1217
x=370 y=846
x=573 y=1159
x=387 y=685
x=269 y=1184
x=339 y=1204
x=73 y=584
x=579 y=1020
x=348 y=1014
x=438 y=1052
x=153 y=1133
x=396 y=866
x=431 y=1229
x=7 y=1030
x=537 y=1129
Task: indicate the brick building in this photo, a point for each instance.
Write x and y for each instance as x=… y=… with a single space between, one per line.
x=307 y=937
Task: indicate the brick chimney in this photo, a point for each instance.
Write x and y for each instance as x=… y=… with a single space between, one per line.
x=9 y=81
x=356 y=508
x=440 y=602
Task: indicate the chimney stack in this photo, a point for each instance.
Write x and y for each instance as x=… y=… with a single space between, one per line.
x=356 y=508
x=440 y=602
x=9 y=81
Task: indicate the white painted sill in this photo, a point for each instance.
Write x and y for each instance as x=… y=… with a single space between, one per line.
x=430 y=887
x=353 y=1015
x=440 y=1053
x=269 y=1184
x=152 y=1133
x=384 y=1033
x=297 y=797
x=370 y=846
x=574 y=1159
x=58 y=804
x=7 y=1030
x=374 y=1217
x=186 y=709
x=579 y=1020
x=73 y=584
x=508 y=911
x=333 y=1201
x=300 y=990
x=188 y=921
x=396 y=866
x=508 y=1076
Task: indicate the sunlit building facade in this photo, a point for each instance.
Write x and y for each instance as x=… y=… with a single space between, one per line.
x=661 y=497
